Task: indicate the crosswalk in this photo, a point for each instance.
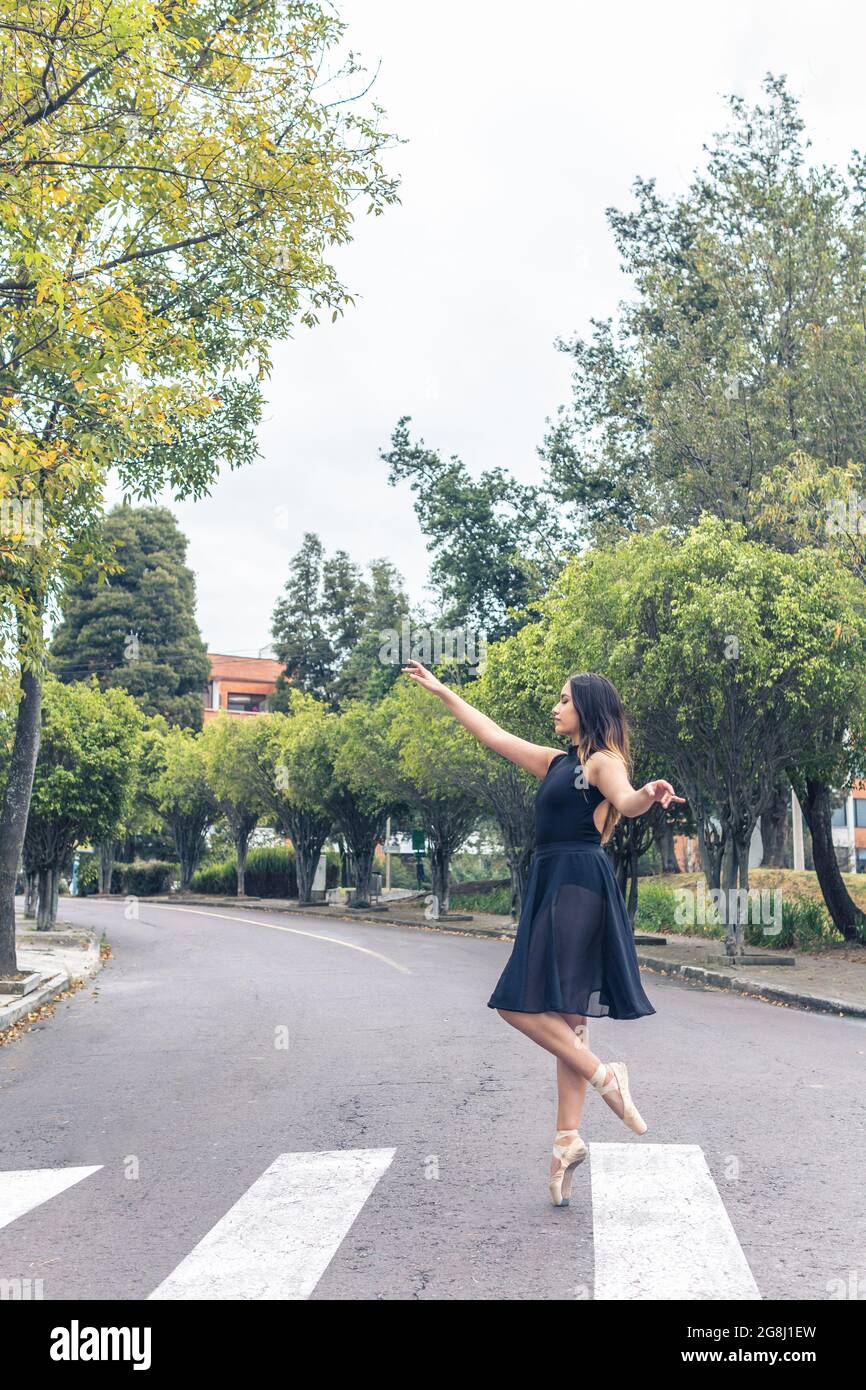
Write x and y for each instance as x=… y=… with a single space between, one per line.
x=660 y=1227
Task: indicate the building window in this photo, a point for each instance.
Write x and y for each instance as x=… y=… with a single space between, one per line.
x=247 y=704
x=861 y=860
x=839 y=820
x=860 y=812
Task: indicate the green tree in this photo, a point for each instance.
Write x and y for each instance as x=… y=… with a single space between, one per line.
x=354 y=792
x=495 y=543
x=736 y=661
x=183 y=796
x=229 y=748
x=743 y=344
x=423 y=765
x=733 y=380
x=174 y=178
x=293 y=765
x=328 y=623
x=83 y=782
x=138 y=630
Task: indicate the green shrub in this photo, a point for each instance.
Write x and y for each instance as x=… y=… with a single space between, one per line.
x=498 y=900
x=270 y=873
x=656 y=906
x=805 y=922
x=88 y=876
x=144 y=877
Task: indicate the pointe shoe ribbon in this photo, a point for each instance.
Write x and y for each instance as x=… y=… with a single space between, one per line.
x=569 y=1156
x=629 y=1116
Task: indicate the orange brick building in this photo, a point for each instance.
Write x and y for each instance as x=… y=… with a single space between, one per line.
x=240 y=684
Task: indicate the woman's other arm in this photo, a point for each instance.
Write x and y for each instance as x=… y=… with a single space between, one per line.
x=535 y=757
x=607 y=772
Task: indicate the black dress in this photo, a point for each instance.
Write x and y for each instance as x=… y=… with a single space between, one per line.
x=574 y=949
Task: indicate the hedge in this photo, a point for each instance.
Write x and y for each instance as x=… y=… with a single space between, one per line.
x=270 y=873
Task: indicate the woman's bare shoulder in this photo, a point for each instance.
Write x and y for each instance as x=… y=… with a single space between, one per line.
x=600 y=759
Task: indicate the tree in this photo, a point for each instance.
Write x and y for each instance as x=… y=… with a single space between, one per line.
x=354 y=792
x=495 y=542
x=229 y=749
x=183 y=796
x=733 y=382
x=174 y=178
x=83 y=782
x=138 y=630
x=508 y=691
x=292 y=767
x=732 y=658
x=423 y=768
x=743 y=344
x=328 y=626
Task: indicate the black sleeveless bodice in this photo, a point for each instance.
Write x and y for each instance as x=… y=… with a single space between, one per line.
x=564 y=803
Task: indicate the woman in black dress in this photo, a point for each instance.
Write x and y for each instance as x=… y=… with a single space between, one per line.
x=573 y=955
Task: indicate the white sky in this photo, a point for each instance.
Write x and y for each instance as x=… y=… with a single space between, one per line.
x=524 y=123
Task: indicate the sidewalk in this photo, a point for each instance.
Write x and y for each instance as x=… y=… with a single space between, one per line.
x=828 y=981
x=61 y=958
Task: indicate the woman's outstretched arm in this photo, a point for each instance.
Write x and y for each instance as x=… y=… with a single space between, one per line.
x=535 y=757
x=607 y=772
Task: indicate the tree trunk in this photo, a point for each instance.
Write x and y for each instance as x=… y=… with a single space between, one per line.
x=105 y=864
x=304 y=875
x=31 y=894
x=308 y=833
x=664 y=837
x=49 y=883
x=633 y=877
x=774 y=830
x=729 y=876
x=440 y=873
x=846 y=915
x=712 y=849
x=15 y=808
x=241 y=847
x=519 y=861
x=362 y=868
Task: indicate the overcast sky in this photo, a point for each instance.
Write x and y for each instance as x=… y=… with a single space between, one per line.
x=523 y=124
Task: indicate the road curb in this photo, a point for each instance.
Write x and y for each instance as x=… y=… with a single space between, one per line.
x=816 y=1003
x=55 y=981
x=331 y=914
x=10 y=1013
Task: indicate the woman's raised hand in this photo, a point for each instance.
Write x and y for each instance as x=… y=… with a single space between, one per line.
x=662 y=791
x=424 y=677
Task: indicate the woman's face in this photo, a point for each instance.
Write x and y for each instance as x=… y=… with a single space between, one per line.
x=565 y=718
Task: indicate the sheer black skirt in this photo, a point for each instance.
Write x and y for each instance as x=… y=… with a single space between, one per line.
x=574 y=949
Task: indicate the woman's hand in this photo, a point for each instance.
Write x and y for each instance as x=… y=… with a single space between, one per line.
x=662 y=791
x=424 y=677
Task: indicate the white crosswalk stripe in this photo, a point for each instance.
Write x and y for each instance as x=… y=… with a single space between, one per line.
x=281 y=1235
x=25 y=1188
x=660 y=1228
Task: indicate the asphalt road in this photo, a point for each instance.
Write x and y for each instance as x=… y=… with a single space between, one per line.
x=254 y=1105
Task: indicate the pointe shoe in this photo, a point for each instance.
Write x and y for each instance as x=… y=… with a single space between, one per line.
x=629 y=1116
x=569 y=1156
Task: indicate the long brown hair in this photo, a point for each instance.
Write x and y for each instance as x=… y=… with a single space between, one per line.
x=603 y=725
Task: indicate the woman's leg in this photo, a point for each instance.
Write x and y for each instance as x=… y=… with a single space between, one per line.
x=570 y=1088
x=553 y=1032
